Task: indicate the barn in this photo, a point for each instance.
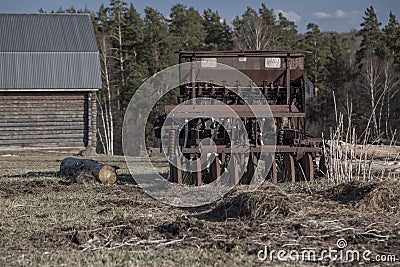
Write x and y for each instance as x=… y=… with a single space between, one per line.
x=49 y=75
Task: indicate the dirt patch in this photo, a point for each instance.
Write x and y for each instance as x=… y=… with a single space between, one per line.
x=182 y=226
x=349 y=192
x=40 y=185
x=268 y=200
x=108 y=235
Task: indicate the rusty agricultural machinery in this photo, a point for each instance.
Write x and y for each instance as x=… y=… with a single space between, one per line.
x=275 y=84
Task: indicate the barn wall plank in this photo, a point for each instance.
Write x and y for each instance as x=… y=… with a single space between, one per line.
x=19 y=133
x=40 y=119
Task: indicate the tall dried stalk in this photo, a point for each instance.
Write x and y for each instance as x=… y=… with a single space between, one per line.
x=345 y=159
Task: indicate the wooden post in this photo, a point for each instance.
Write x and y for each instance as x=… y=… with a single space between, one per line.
x=94 y=119
x=88 y=119
x=198 y=177
x=288 y=91
x=274 y=171
x=290 y=171
x=179 y=169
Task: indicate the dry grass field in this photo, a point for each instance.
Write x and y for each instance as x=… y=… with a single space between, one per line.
x=46 y=220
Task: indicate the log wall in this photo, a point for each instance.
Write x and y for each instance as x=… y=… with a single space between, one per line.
x=46 y=120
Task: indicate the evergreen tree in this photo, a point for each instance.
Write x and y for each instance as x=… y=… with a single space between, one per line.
x=338 y=69
x=287 y=34
x=372 y=61
x=219 y=35
x=372 y=38
x=339 y=74
x=392 y=39
x=315 y=70
x=117 y=24
x=317 y=44
x=133 y=50
x=132 y=30
x=268 y=15
x=391 y=77
x=158 y=53
x=226 y=39
x=269 y=19
x=187 y=28
x=101 y=21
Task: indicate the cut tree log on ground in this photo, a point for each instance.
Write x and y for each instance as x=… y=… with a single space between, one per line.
x=87 y=169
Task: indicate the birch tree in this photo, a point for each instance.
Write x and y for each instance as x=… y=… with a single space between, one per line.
x=106 y=135
x=252 y=32
x=105 y=96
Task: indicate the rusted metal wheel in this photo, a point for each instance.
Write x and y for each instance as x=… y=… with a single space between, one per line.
x=307 y=166
x=290 y=169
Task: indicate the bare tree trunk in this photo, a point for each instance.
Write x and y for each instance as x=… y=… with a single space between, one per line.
x=372 y=82
x=380 y=86
x=104 y=143
x=121 y=61
x=109 y=115
x=316 y=81
x=106 y=105
x=390 y=85
x=372 y=75
x=385 y=90
x=255 y=35
x=387 y=116
x=382 y=103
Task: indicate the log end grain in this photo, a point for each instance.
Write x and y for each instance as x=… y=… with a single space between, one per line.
x=107 y=175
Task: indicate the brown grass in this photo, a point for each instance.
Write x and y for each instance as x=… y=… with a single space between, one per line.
x=383 y=197
x=47 y=221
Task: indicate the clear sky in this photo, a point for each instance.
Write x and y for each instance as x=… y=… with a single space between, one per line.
x=330 y=15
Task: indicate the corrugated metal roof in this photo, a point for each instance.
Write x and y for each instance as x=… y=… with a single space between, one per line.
x=49 y=70
x=54 y=51
x=46 y=33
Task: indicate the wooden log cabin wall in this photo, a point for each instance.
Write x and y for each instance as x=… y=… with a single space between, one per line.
x=49 y=78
